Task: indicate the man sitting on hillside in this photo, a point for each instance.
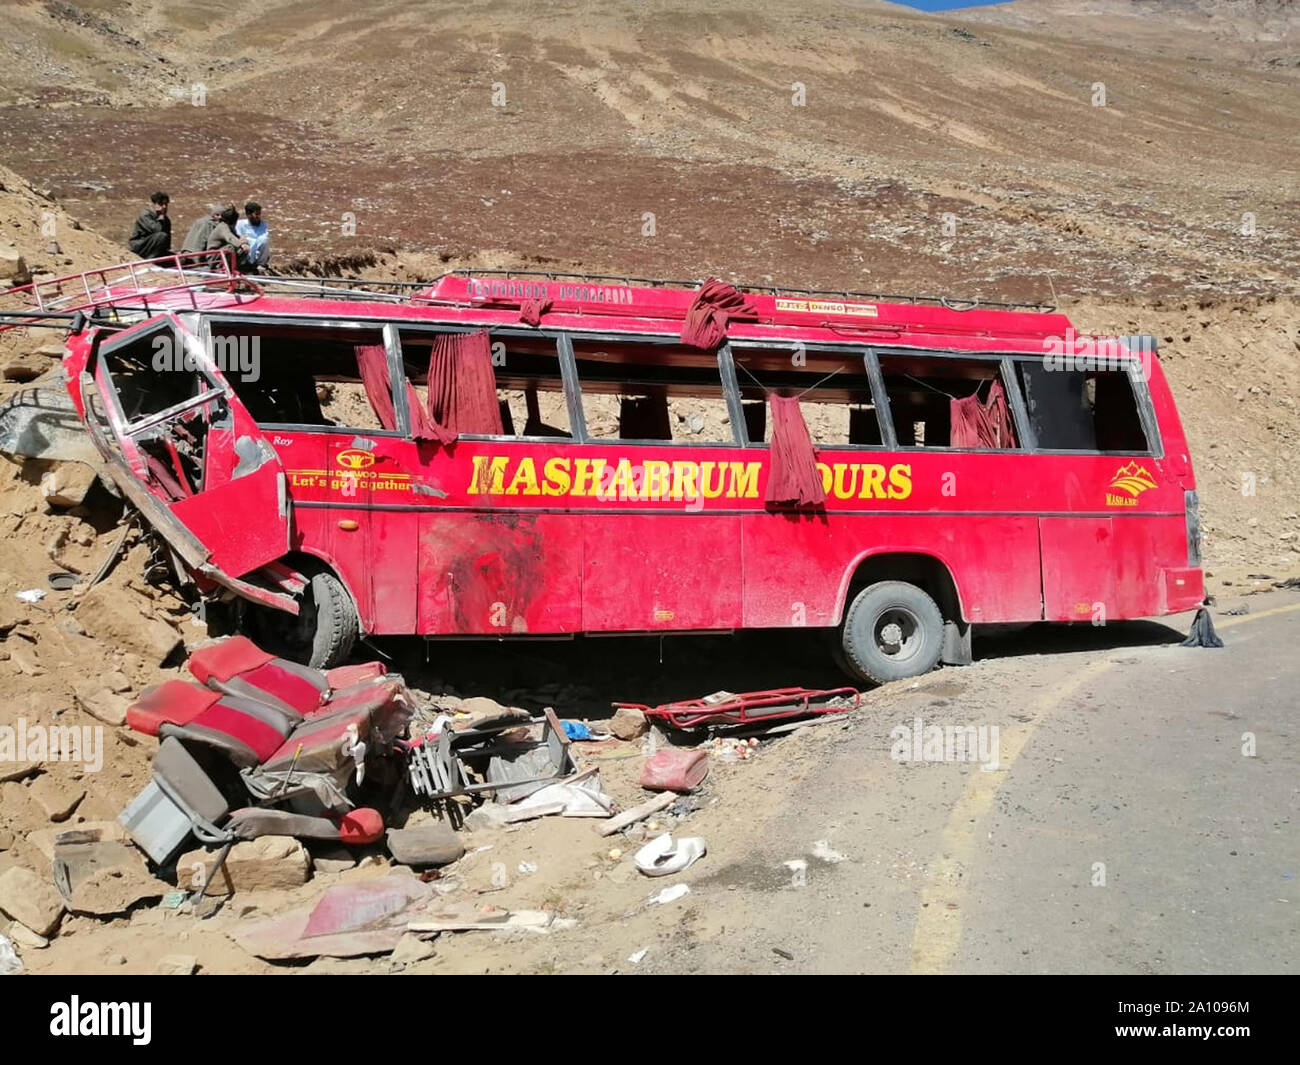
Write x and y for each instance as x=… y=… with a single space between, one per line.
x=151 y=236
x=253 y=229
x=197 y=237
x=223 y=237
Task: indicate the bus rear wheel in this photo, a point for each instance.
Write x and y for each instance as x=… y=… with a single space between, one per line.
x=892 y=630
x=324 y=632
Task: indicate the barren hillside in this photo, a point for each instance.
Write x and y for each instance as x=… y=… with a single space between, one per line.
x=864 y=145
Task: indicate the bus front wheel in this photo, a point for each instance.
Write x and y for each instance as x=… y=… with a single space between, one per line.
x=323 y=633
x=892 y=630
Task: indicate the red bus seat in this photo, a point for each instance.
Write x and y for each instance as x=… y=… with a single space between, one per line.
x=239 y=667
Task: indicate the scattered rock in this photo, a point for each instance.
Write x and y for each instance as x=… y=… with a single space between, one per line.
x=628 y=724
x=67 y=484
x=177 y=965
x=115 y=959
x=334 y=860
x=430 y=844
x=13 y=267
x=99 y=702
x=488 y=816
x=25 y=937
x=57 y=800
x=30 y=900
x=267 y=864
x=411 y=949
x=45 y=839
x=114 y=615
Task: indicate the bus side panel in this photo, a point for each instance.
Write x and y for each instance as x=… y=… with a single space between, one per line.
x=670 y=571
x=1080 y=557
x=373 y=560
x=800 y=566
x=499 y=572
x=1152 y=575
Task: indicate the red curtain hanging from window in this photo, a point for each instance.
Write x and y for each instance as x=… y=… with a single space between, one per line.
x=980 y=423
x=715 y=304
x=462 y=387
x=792 y=478
x=372 y=364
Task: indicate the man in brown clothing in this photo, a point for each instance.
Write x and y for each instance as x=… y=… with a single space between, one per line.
x=223 y=237
x=151 y=236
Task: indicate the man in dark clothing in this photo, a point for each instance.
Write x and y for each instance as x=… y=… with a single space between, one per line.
x=151 y=236
x=223 y=237
x=197 y=237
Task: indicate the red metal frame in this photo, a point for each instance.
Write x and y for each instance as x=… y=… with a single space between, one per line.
x=737 y=709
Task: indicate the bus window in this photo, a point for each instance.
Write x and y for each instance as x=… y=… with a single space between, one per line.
x=297 y=376
x=948 y=402
x=833 y=389
x=529 y=381
x=1072 y=410
x=652 y=392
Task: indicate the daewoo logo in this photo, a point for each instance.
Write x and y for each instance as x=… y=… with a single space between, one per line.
x=1132 y=480
x=354 y=459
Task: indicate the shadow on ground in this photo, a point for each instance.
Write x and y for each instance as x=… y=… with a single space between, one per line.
x=583 y=677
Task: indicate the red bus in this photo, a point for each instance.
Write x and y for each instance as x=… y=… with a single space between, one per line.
x=541 y=455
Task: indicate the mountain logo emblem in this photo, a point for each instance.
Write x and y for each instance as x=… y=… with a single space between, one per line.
x=1132 y=479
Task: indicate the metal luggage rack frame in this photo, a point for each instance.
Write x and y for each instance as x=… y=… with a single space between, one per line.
x=951 y=303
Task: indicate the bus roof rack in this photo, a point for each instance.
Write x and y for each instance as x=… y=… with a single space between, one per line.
x=951 y=303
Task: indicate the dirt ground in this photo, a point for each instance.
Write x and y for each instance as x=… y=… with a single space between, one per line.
x=959 y=155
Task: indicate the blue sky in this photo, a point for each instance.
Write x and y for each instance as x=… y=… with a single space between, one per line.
x=945 y=5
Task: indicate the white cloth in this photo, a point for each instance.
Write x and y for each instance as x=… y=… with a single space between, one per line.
x=259 y=240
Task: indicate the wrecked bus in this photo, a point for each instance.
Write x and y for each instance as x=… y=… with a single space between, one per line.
x=516 y=456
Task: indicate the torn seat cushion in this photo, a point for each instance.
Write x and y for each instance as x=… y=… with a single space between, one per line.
x=173 y=702
x=317 y=746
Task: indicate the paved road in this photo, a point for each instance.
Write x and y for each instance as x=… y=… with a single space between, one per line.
x=1124 y=832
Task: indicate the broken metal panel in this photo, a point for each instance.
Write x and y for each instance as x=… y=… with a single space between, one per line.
x=442 y=767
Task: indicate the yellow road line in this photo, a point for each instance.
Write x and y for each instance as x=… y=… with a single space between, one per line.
x=939 y=923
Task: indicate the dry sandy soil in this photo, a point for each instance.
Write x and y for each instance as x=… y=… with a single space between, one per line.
x=1130 y=215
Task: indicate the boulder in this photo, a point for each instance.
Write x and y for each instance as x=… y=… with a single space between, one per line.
x=67 y=484
x=13 y=267
x=430 y=844
x=271 y=863
x=30 y=900
x=628 y=724
x=116 y=616
x=45 y=839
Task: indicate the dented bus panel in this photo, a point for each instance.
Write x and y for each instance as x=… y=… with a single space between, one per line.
x=625 y=489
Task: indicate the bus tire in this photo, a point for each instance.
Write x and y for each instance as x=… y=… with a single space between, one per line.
x=336 y=623
x=892 y=630
x=323 y=633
